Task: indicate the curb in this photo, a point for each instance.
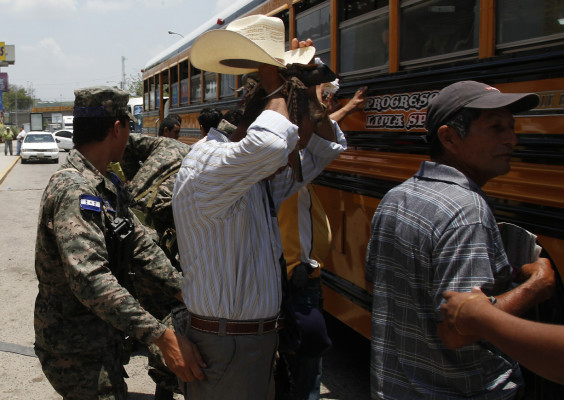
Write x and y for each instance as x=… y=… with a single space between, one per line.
x=5 y=173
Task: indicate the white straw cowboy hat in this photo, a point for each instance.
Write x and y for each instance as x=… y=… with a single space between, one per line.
x=244 y=44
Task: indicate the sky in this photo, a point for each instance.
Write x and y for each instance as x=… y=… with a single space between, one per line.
x=63 y=45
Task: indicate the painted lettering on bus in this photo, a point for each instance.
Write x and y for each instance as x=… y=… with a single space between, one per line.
x=385 y=121
x=415 y=101
x=553 y=100
x=416 y=120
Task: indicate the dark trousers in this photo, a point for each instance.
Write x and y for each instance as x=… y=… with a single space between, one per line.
x=304 y=372
x=8 y=145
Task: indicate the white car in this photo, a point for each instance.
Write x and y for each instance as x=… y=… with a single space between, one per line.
x=64 y=139
x=40 y=146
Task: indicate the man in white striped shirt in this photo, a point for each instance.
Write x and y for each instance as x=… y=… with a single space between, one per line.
x=225 y=212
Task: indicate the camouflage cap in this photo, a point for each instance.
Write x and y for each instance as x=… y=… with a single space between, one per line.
x=100 y=102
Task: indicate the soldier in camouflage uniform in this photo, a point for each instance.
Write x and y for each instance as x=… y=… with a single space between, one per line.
x=150 y=166
x=87 y=242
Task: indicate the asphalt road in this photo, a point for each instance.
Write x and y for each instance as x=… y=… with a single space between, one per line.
x=345 y=367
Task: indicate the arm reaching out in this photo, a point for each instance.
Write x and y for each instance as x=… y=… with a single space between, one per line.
x=538 y=347
x=355 y=104
x=537 y=285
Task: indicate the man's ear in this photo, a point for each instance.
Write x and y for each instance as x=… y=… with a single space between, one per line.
x=114 y=129
x=448 y=137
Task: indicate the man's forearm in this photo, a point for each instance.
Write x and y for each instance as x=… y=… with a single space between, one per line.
x=538 y=347
x=278 y=104
x=537 y=287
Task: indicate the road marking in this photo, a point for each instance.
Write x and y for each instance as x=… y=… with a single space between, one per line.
x=16 y=348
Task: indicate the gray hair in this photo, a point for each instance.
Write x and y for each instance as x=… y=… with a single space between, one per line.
x=460 y=122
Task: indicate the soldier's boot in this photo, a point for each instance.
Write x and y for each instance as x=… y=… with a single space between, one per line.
x=162 y=393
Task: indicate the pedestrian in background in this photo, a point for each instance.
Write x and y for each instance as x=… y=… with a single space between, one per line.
x=209 y=117
x=8 y=138
x=20 y=138
x=170 y=127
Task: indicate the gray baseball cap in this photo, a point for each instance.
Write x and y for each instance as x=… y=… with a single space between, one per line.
x=477 y=95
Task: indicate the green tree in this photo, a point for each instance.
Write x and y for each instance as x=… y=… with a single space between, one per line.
x=24 y=99
x=135 y=85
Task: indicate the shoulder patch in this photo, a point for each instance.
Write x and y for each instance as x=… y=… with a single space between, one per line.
x=92 y=203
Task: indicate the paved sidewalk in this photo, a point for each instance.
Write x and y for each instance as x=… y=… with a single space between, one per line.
x=6 y=165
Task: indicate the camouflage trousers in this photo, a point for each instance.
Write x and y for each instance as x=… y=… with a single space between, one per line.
x=86 y=376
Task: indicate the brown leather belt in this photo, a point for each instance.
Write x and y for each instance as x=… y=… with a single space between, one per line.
x=224 y=327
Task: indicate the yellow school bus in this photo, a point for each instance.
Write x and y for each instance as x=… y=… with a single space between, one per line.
x=405 y=51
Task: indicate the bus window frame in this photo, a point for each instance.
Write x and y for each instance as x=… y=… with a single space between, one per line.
x=231 y=95
x=530 y=44
x=383 y=12
x=523 y=44
x=440 y=58
x=316 y=8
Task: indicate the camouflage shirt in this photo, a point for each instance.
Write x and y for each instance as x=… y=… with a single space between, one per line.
x=81 y=306
x=146 y=161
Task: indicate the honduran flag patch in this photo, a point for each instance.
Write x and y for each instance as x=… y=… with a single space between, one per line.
x=92 y=203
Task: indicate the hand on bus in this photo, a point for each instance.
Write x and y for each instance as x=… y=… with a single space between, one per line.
x=357 y=102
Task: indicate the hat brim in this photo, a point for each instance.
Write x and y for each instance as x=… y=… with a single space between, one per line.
x=228 y=52
x=516 y=102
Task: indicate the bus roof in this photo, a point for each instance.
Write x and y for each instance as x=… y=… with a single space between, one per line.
x=230 y=14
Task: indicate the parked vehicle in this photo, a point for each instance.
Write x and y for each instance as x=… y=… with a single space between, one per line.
x=64 y=139
x=67 y=121
x=135 y=106
x=39 y=146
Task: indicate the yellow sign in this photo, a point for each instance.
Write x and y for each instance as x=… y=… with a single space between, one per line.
x=2 y=51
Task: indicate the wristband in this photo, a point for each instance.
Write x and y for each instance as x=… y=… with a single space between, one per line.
x=470 y=298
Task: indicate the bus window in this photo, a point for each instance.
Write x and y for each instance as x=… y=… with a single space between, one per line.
x=174 y=87
x=174 y=94
x=227 y=87
x=356 y=53
x=164 y=82
x=184 y=83
x=152 y=104
x=146 y=94
x=315 y=23
x=157 y=91
x=210 y=86
x=195 y=85
x=520 y=20
x=438 y=27
x=349 y=9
